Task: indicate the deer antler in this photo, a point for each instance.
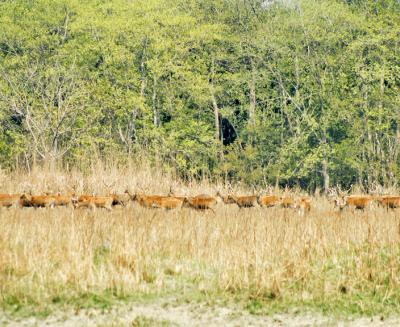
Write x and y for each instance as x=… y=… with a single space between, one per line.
x=343 y=193
x=332 y=192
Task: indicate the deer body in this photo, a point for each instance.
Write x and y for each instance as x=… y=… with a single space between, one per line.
x=268 y=200
x=245 y=201
x=288 y=202
x=62 y=200
x=171 y=202
x=200 y=202
x=38 y=201
x=359 y=202
x=94 y=202
x=389 y=201
x=10 y=200
x=304 y=205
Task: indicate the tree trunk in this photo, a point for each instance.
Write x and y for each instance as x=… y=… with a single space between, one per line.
x=143 y=77
x=380 y=147
x=252 y=87
x=156 y=120
x=216 y=117
x=215 y=105
x=325 y=172
x=325 y=175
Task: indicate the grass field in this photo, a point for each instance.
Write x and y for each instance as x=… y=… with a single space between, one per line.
x=264 y=259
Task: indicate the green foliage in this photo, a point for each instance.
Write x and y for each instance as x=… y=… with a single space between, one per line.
x=311 y=87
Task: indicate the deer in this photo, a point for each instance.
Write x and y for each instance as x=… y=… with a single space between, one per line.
x=225 y=198
x=171 y=202
x=359 y=202
x=123 y=199
x=304 y=205
x=354 y=202
x=62 y=200
x=200 y=202
x=389 y=201
x=288 y=202
x=269 y=200
x=10 y=200
x=244 y=201
x=150 y=201
x=94 y=202
x=159 y=201
x=118 y=199
x=84 y=197
x=37 y=201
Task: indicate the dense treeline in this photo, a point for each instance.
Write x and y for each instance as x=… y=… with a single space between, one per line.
x=310 y=87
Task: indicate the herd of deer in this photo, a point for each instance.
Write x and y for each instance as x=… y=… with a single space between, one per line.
x=199 y=202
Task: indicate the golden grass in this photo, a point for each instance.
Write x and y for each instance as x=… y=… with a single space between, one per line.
x=268 y=254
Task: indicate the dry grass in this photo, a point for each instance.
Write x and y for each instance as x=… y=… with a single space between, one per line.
x=267 y=255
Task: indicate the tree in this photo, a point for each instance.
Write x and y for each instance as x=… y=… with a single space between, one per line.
x=51 y=105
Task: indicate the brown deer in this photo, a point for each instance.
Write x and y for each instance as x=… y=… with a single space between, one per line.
x=84 y=197
x=288 y=202
x=269 y=200
x=94 y=202
x=63 y=200
x=225 y=198
x=200 y=202
x=359 y=202
x=10 y=200
x=244 y=201
x=122 y=199
x=304 y=205
x=171 y=202
x=37 y=201
x=389 y=201
x=149 y=201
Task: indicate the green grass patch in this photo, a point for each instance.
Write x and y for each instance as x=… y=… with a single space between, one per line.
x=343 y=305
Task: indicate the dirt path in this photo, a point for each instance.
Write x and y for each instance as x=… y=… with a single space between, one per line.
x=165 y=314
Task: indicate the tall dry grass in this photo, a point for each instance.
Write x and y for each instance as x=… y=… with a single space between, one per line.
x=48 y=254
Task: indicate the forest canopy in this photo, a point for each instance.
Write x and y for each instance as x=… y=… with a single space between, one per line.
x=289 y=92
